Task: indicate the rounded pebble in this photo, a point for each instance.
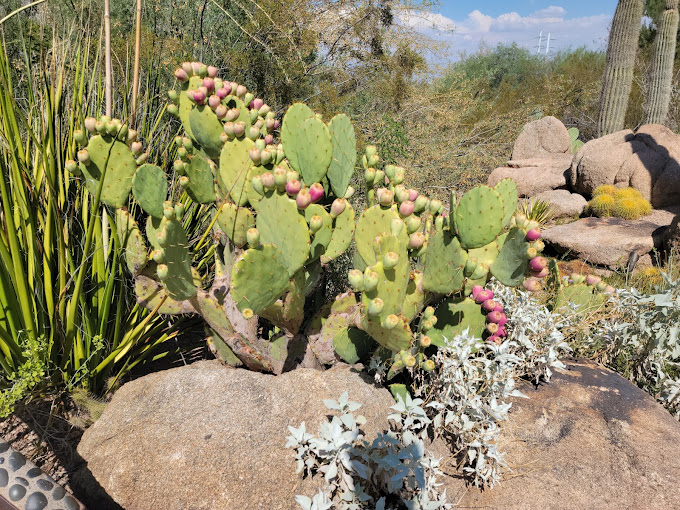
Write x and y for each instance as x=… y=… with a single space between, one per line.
x=33 y=472
x=21 y=480
x=70 y=503
x=4 y=446
x=58 y=493
x=44 y=485
x=16 y=492
x=2 y=460
x=16 y=461
x=4 y=477
x=36 y=501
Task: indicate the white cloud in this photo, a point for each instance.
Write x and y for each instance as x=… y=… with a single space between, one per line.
x=511 y=27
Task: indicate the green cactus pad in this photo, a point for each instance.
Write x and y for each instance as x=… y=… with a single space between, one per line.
x=121 y=169
x=344 y=155
x=288 y=313
x=259 y=278
x=221 y=350
x=206 y=129
x=479 y=217
x=309 y=148
x=399 y=391
x=373 y=222
x=444 y=264
x=512 y=264
x=244 y=116
x=343 y=232
x=486 y=254
x=351 y=344
x=201 y=174
x=292 y=120
x=179 y=283
x=136 y=252
x=150 y=292
x=322 y=238
x=280 y=224
x=150 y=188
x=392 y=283
x=235 y=222
x=453 y=317
x=235 y=164
x=186 y=104
x=414 y=301
x=584 y=296
x=152 y=226
x=507 y=189
x=395 y=339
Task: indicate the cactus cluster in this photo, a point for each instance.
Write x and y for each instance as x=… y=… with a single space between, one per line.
x=585 y=292
x=626 y=203
x=276 y=196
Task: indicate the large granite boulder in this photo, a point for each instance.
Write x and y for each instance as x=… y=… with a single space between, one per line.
x=206 y=436
x=647 y=160
x=610 y=242
x=543 y=137
x=589 y=439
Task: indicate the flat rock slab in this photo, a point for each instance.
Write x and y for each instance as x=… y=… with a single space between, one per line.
x=207 y=437
x=610 y=241
x=589 y=439
x=564 y=203
x=535 y=175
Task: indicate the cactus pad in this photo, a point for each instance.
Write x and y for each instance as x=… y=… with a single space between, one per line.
x=343 y=232
x=235 y=164
x=150 y=292
x=308 y=147
x=206 y=129
x=132 y=242
x=200 y=172
x=179 y=282
x=507 y=189
x=121 y=169
x=280 y=224
x=479 y=217
x=235 y=222
x=415 y=297
x=444 y=264
x=292 y=121
x=259 y=277
x=322 y=237
x=150 y=188
x=373 y=222
x=397 y=338
x=453 y=317
x=351 y=344
x=344 y=155
x=512 y=263
x=186 y=104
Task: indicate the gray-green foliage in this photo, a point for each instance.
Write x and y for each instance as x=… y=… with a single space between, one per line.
x=359 y=474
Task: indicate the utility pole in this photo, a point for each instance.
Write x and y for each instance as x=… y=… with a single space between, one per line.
x=547 y=46
x=540 y=38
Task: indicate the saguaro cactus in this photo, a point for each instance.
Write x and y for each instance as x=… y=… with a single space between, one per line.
x=656 y=106
x=618 y=75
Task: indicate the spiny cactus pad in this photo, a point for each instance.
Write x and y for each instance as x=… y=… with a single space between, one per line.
x=344 y=153
x=374 y=221
x=259 y=278
x=479 y=217
x=455 y=315
x=343 y=232
x=444 y=264
x=507 y=189
x=292 y=121
x=415 y=297
x=150 y=188
x=235 y=222
x=200 y=172
x=178 y=282
x=322 y=237
x=280 y=224
x=186 y=104
x=113 y=155
x=206 y=129
x=512 y=262
x=235 y=163
x=130 y=238
x=351 y=344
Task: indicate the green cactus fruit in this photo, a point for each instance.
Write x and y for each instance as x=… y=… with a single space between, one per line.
x=373 y=222
x=150 y=188
x=307 y=143
x=235 y=165
x=395 y=339
x=455 y=315
x=342 y=235
x=280 y=224
x=344 y=155
x=105 y=152
x=512 y=263
x=507 y=189
x=259 y=277
x=206 y=129
x=130 y=238
x=444 y=264
x=323 y=235
x=479 y=217
x=292 y=120
x=200 y=178
x=235 y=222
x=186 y=104
x=173 y=242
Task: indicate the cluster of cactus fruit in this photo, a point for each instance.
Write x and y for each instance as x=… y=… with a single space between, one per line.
x=281 y=212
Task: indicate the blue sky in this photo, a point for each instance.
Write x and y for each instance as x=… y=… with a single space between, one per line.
x=463 y=26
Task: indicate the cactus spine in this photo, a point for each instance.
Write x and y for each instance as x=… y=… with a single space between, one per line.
x=618 y=75
x=656 y=107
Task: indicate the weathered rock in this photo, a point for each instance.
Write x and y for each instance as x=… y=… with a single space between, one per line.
x=206 y=436
x=536 y=175
x=589 y=439
x=647 y=161
x=610 y=241
x=671 y=237
x=542 y=137
x=564 y=204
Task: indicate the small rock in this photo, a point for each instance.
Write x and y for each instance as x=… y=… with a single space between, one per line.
x=542 y=137
x=564 y=204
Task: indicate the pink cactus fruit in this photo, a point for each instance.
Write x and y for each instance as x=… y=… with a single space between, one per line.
x=591 y=279
x=268 y=139
x=212 y=71
x=406 y=208
x=316 y=192
x=489 y=305
x=476 y=290
x=483 y=295
x=416 y=240
x=501 y=331
x=293 y=187
x=338 y=207
x=256 y=103
x=538 y=263
x=533 y=235
x=198 y=96
x=532 y=284
x=540 y=274
x=302 y=200
x=181 y=75
x=209 y=84
x=213 y=101
x=413 y=194
x=494 y=317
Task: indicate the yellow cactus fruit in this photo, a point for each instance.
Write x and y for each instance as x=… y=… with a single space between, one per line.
x=602 y=205
x=605 y=189
x=624 y=193
x=631 y=208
